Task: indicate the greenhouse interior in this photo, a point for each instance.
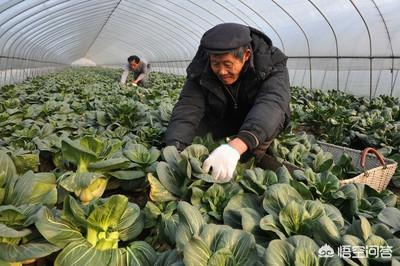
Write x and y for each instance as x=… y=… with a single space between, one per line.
x=209 y=132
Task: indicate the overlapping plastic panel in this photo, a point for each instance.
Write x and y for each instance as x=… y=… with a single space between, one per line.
x=350 y=45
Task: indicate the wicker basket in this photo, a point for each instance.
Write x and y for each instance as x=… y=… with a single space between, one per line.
x=377 y=171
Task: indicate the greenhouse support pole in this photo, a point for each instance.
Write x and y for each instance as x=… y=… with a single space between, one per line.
x=370 y=49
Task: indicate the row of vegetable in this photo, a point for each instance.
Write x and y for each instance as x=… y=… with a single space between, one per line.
x=84 y=180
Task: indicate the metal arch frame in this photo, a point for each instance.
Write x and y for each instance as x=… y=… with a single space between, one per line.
x=177 y=64
x=45 y=30
x=166 y=20
x=25 y=50
x=305 y=36
x=102 y=27
x=178 y=15
x=128 y=45
x=206 y=10
x=244 y=14
x=145 y=48
x=191 y=12
x=336 y=43
x=2 y=34
x=162 y=30
x=149 y=44
x=48 y=40
x=251 y=9
x=57 y=46
x=28 y=29
x=390 y=44
x=45 y=38
x=230 y=11
x=370 y=47
x=175 y=21
x=269 y=24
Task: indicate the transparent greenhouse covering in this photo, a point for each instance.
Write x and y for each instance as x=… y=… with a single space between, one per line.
x=349 y=45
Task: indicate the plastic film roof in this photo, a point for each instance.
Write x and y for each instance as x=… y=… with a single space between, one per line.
x=350 y=45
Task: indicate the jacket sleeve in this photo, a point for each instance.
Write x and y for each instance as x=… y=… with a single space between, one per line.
x=124 y=75
x=143 y=72
x=186 y=115
x=270 y=112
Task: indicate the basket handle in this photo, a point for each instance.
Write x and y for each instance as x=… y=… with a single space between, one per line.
x=371 y=150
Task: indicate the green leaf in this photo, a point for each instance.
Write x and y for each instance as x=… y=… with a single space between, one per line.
x=391 y=217
x=360 y=228
x=26 y=161
x=305 y=256
x=140 y=253
x=9 y=232
x=325 y=231
x=279 y=252
x=270 y=223
x=138 y=153
x=243 y=210
x=128 y=174
x=283 y=174
x=109 y=165
x=197 y=151
x=190 y=224
x=7 y=169
x=169 y=258
x=196 y=252
x=131 y=222
x=303 y=189
x=169 y=178
x=56 y=231
x=279 y=195
x=292 y=216
x=158 y=192
x=20 y=253
x=34 y=188
x=108 y=215
x=82 y=253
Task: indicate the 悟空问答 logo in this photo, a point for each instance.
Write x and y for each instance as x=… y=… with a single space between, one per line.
x=326 y=251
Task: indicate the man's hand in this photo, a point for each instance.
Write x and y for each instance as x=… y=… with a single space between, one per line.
x=223 y=161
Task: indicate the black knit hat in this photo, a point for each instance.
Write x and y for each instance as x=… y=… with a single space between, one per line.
x=225 y=37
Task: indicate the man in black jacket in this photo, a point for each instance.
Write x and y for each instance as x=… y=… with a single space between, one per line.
x=237 y=84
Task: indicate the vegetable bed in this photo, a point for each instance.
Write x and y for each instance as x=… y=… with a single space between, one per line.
x=84 y=180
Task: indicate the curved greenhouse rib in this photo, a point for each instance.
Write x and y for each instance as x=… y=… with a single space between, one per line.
x=336 y=44
x=305 y=36
x=147 y=44
x=370 y=49
x=102 y=27
x=47 y=31
x=191 y=12
x=162 y=19
x=390 y=44
x=269 y=24
x=163 y=30
x=230 y=11
x=206 y=11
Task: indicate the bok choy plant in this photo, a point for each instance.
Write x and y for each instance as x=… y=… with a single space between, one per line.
x=92 y=234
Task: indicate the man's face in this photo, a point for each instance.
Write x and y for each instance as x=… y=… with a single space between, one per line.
x=134 y=65
x=228 y=67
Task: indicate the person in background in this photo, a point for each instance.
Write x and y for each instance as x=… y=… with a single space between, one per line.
x=139 y=70
x=237 y=85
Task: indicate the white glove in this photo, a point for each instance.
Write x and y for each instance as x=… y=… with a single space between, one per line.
x=223 y=161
